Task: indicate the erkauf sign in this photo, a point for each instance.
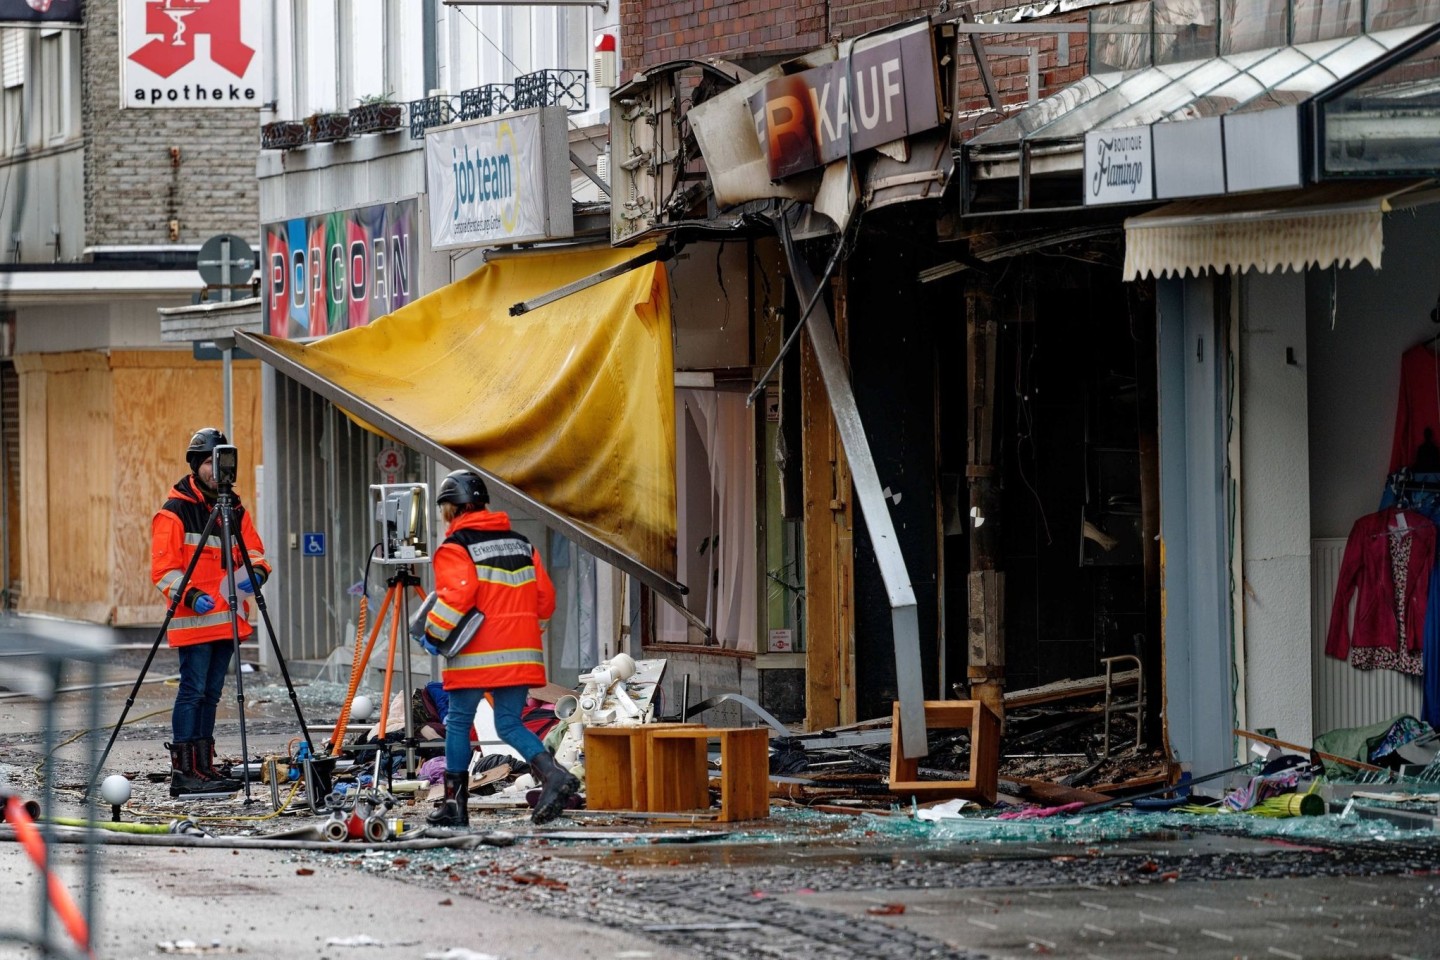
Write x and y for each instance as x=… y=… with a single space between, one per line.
x=1119 y=166
x=886 y=89
x=164 y=64
x=502 y=179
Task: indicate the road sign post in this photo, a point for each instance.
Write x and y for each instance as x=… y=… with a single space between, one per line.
x=226 y=262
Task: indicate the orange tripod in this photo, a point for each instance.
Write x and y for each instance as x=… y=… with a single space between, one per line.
x=396 y=603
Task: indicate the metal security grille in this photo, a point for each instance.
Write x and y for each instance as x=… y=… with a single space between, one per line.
x=10 y=465
x=304 y=621
x=326 y=466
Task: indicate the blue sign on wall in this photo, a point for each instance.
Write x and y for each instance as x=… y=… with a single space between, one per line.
x=312 y=544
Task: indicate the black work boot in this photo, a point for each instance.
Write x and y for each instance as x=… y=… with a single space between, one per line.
x=558 y=786
x=183 y=777
x=453 y=811
x=205 y=767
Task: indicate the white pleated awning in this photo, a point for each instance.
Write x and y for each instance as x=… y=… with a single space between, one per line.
x=1316 y=227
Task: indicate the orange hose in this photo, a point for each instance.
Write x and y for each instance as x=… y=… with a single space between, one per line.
x=357 y=668
x=60 y=898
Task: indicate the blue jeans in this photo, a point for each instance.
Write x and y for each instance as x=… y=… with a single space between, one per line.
x=460 y=717
x=203 y=667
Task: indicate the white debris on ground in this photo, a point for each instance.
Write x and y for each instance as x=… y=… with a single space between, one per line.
x=365 y=940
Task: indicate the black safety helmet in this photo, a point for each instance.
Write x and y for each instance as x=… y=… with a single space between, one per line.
x=202 y=445
x=462 y=487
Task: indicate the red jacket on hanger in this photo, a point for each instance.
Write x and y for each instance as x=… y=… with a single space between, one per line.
x=1367 y=569
x=1417 y=414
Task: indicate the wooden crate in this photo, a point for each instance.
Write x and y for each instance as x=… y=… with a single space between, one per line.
x=679 y=778
x=617 y=765
x=984 y=726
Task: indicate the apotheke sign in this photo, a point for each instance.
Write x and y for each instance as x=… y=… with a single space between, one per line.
x=189 y=53
x=1119 y=166
x=502 y=179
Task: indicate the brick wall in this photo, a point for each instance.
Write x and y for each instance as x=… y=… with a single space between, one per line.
x=132 y=188
x=656 y=31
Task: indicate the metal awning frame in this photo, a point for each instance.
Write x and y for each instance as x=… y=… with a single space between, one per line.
x=672 y=591
x=1036 y=154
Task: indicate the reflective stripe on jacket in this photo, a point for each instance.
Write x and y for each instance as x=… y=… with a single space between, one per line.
x=485 y=565
x=174 y=538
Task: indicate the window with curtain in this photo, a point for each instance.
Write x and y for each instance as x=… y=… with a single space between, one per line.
x=715 y=487
x=13 y=56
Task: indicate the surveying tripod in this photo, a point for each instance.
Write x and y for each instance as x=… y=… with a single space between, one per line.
x=231 y=542
x=397 y=604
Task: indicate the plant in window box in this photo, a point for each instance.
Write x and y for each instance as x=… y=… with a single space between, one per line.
x=327 y=126
x=377 y=113
x=282 y=135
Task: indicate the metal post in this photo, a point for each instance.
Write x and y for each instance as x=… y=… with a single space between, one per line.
x=225 y=294
x=402 y=610
x=227 y=378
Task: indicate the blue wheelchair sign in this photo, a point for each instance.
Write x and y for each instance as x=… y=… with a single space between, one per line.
x=313 y=544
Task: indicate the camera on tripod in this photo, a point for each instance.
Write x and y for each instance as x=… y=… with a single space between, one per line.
x=226 y=465
x=402 y=518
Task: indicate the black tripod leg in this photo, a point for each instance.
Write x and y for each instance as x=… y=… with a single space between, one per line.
x=169 y=615
x=274 y=644
x=227 y=541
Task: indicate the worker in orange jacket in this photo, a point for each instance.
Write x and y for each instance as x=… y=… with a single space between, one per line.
x=200 y=629
x=484 y=565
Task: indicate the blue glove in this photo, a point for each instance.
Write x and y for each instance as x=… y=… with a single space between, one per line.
x=247 y=585
x=429 y=647
x=204 y=603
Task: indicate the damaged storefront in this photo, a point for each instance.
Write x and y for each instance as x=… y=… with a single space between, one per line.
x=1279 y=238
x=977 y=459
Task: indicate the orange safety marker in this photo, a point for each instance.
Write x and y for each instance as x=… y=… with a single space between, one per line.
x=60 y=898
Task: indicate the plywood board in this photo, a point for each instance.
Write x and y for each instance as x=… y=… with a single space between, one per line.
x=161 y=399
x=34 y=489
x=80 y=454
x=103 y=438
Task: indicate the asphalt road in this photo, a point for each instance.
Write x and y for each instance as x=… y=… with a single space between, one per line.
x=801 y=886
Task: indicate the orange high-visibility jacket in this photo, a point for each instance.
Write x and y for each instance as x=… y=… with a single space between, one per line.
x=174 y=538
x=484 y=565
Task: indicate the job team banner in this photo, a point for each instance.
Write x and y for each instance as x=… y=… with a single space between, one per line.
x=502 y=179
x=163 y=65
x=331 y=272
x=37 y=11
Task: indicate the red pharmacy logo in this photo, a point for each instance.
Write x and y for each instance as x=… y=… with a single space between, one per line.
x=176 y=23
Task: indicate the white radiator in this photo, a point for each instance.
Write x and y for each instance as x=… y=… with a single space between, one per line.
x=1341 y=695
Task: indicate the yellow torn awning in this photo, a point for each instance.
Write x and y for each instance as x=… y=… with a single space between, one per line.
x=569 y=408
x=1290 y=230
